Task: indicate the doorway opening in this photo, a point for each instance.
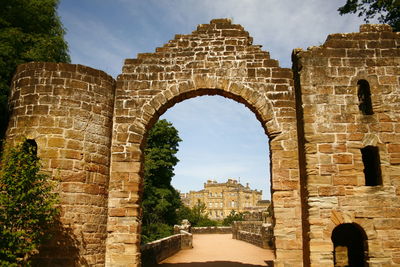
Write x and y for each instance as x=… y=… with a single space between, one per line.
x=350 y=245
x=222 y=145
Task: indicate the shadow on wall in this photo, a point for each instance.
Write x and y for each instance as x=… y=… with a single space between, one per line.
x=213 y=264
x=61 y=250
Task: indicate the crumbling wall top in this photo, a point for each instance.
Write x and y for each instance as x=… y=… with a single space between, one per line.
x=375 y=28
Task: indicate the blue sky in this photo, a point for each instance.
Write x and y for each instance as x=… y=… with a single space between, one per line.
x=221 y=138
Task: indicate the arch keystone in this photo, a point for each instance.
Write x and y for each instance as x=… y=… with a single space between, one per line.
x=203 y=81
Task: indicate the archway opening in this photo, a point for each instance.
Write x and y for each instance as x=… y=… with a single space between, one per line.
x=350 y=245
x=221 y=139
x=223 y=143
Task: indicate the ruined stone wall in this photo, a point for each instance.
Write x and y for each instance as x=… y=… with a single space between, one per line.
x=91 y=134
x=67 y=109
x=216 y=59
x=212 y=230
x=156 y=251
x=335 y=131
x=255 y=232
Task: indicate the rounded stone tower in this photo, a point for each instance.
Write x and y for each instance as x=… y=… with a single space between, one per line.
x=67 y=110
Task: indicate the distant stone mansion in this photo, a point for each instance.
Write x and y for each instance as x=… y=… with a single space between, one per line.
x=221 y=198
x=332 y=121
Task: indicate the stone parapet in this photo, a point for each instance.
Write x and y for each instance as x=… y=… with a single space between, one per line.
x=212 y=230
x=157 y=251
x=255 y=232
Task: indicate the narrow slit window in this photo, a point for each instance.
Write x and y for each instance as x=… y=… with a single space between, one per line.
x=364 y=97
x=372 y=165
x=30 y=145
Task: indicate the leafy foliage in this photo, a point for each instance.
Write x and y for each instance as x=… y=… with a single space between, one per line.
x=160 y=199
x=388 y=11
x=30 y=30
x=232 y=217
x=197 y=215
x=154 y=231
x=27 y=208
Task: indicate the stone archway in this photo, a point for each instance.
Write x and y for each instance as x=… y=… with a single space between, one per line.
x=350 y=245
x=216 y=59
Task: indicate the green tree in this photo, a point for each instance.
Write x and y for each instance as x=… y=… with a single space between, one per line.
x=27 y=205
x=30 y=30
x=197 y=215
x=388 y=11
x=160 y=199
x=232 y=217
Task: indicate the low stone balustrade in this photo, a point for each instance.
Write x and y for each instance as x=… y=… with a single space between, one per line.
x=255 y=232
x=212 y=230
x=158 y=250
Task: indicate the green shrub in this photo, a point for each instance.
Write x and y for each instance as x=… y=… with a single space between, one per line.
x=197 y=215
x=232 y=217
x=156 y=231
x=27 y=205
x=204 y=222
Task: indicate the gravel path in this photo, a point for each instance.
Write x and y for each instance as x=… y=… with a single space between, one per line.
x=220 y=250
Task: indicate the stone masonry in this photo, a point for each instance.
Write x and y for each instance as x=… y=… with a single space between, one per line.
x=91 y=132
x=67 y=109
x=335 y=131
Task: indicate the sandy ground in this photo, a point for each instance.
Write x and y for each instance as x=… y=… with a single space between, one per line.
x=220 y=250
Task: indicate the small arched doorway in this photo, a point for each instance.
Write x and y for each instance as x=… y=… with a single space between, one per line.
x=350 y=245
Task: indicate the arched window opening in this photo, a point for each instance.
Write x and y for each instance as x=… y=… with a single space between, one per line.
x=364 y=97
x=372 y=165
x=350 y=245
